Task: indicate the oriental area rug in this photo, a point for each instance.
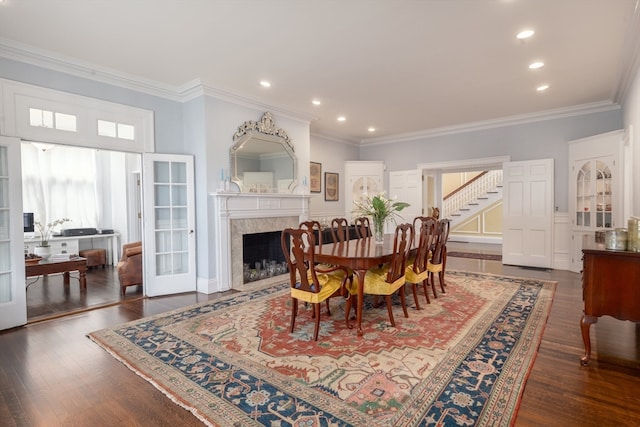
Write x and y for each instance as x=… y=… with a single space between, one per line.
x=462 y=360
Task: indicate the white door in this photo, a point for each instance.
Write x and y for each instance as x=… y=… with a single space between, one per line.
x=527 y=234
x=169 y=224
x=406 y=186
x=13 y=300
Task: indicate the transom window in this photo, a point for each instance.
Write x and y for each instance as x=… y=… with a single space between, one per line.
x=116 y=130
x=52 y=120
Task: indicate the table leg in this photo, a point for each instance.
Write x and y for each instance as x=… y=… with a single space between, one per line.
x=361 y=274
x=83 y=278
x=585 y=325
x=65 y=278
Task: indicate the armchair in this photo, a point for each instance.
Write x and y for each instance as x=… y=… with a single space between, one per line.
x=130 y=266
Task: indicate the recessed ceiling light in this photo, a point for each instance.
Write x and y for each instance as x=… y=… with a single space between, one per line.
x=316 y=102
x=341 y=118
x=525 y=34
x=542 y=88
x=265 y=83
x=536 y=65
x=371 y=129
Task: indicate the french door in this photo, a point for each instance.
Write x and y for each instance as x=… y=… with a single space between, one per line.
x=527 y=223
x=169 y=224
x=13 y=305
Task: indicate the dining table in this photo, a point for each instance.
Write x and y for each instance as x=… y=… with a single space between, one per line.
x=358 y=255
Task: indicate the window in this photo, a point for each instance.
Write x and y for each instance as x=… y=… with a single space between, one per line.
x=52 y=120
x=116 y=130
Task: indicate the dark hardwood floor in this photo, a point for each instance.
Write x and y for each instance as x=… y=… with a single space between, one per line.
x=48 y=297
x=52 y=375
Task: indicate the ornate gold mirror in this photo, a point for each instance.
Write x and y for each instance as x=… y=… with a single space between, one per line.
x=262 y=158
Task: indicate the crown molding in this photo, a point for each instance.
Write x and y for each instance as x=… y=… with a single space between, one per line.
x=45 y=59
x=576 y=110
x=183 y=93
x=336 y=138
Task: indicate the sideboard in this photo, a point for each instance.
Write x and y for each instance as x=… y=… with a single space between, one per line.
x=73 y=244
x=610 y=286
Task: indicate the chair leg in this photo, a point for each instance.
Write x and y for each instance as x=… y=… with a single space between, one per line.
x=316 y=308
x=425 y=282
x=294 y=311
x=414 y=288
x=347 y=311
x=432 y=278
x=441 y=278
x=404 y=304
x=388 y=298
x=328 y=309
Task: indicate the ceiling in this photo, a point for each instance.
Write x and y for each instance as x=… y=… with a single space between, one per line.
x=405 y=67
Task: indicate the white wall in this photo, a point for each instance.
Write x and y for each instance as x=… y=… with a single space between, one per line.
x=331 y=154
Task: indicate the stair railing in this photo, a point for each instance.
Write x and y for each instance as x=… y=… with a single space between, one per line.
x=470 y=191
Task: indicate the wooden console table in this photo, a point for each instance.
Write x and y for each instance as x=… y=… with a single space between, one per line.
x=610 y=286
x=50 y=267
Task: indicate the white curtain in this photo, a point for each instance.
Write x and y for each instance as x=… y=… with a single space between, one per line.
x=60 y=182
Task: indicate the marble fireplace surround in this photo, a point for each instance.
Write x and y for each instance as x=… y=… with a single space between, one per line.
x=245 y=213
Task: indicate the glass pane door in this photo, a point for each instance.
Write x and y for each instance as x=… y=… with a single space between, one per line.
x=583 y=196
x=169 y=222
x=13 y=308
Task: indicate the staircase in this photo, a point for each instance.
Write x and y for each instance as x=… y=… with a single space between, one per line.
x=471 y=198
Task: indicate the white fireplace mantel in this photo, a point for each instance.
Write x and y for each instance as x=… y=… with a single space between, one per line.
x=239 y=206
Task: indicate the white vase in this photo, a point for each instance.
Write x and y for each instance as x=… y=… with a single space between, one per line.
x=42 y=251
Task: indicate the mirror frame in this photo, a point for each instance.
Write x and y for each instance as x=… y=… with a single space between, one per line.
x=264 y=130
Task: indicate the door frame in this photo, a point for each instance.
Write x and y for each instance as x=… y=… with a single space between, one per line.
x=436 y=170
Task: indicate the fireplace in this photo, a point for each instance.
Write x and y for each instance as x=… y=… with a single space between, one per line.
x=240 y=214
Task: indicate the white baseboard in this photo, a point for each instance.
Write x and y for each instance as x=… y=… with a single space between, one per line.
x=208 y=286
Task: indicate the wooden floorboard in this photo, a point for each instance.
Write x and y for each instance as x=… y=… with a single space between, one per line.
x=51 y=374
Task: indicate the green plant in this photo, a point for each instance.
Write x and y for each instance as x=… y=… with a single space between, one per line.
x=379 y=208
x=45 y=230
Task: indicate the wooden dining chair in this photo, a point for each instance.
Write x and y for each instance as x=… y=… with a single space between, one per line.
x=340 y=230
x=438 y=261
x=389 y=278
x=417 y=272
x=309 y=282
x=363 y=229
x=314 y=226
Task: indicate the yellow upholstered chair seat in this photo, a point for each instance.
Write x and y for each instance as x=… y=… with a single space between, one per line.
x=434 y=268
x=375 y=283
x=329 y=283
x=413 y=277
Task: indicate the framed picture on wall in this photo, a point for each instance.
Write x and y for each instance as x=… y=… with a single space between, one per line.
x=331 y=188
x=315 y=176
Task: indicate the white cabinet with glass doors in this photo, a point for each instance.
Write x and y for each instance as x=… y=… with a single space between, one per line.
x=595 y=188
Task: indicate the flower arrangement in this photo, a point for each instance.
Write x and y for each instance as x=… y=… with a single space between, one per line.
x=380 y=209
x=46 y=230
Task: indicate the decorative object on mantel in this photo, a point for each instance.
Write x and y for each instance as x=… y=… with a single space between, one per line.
x=43 y=249
x=380 y=209
x=433 y=368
